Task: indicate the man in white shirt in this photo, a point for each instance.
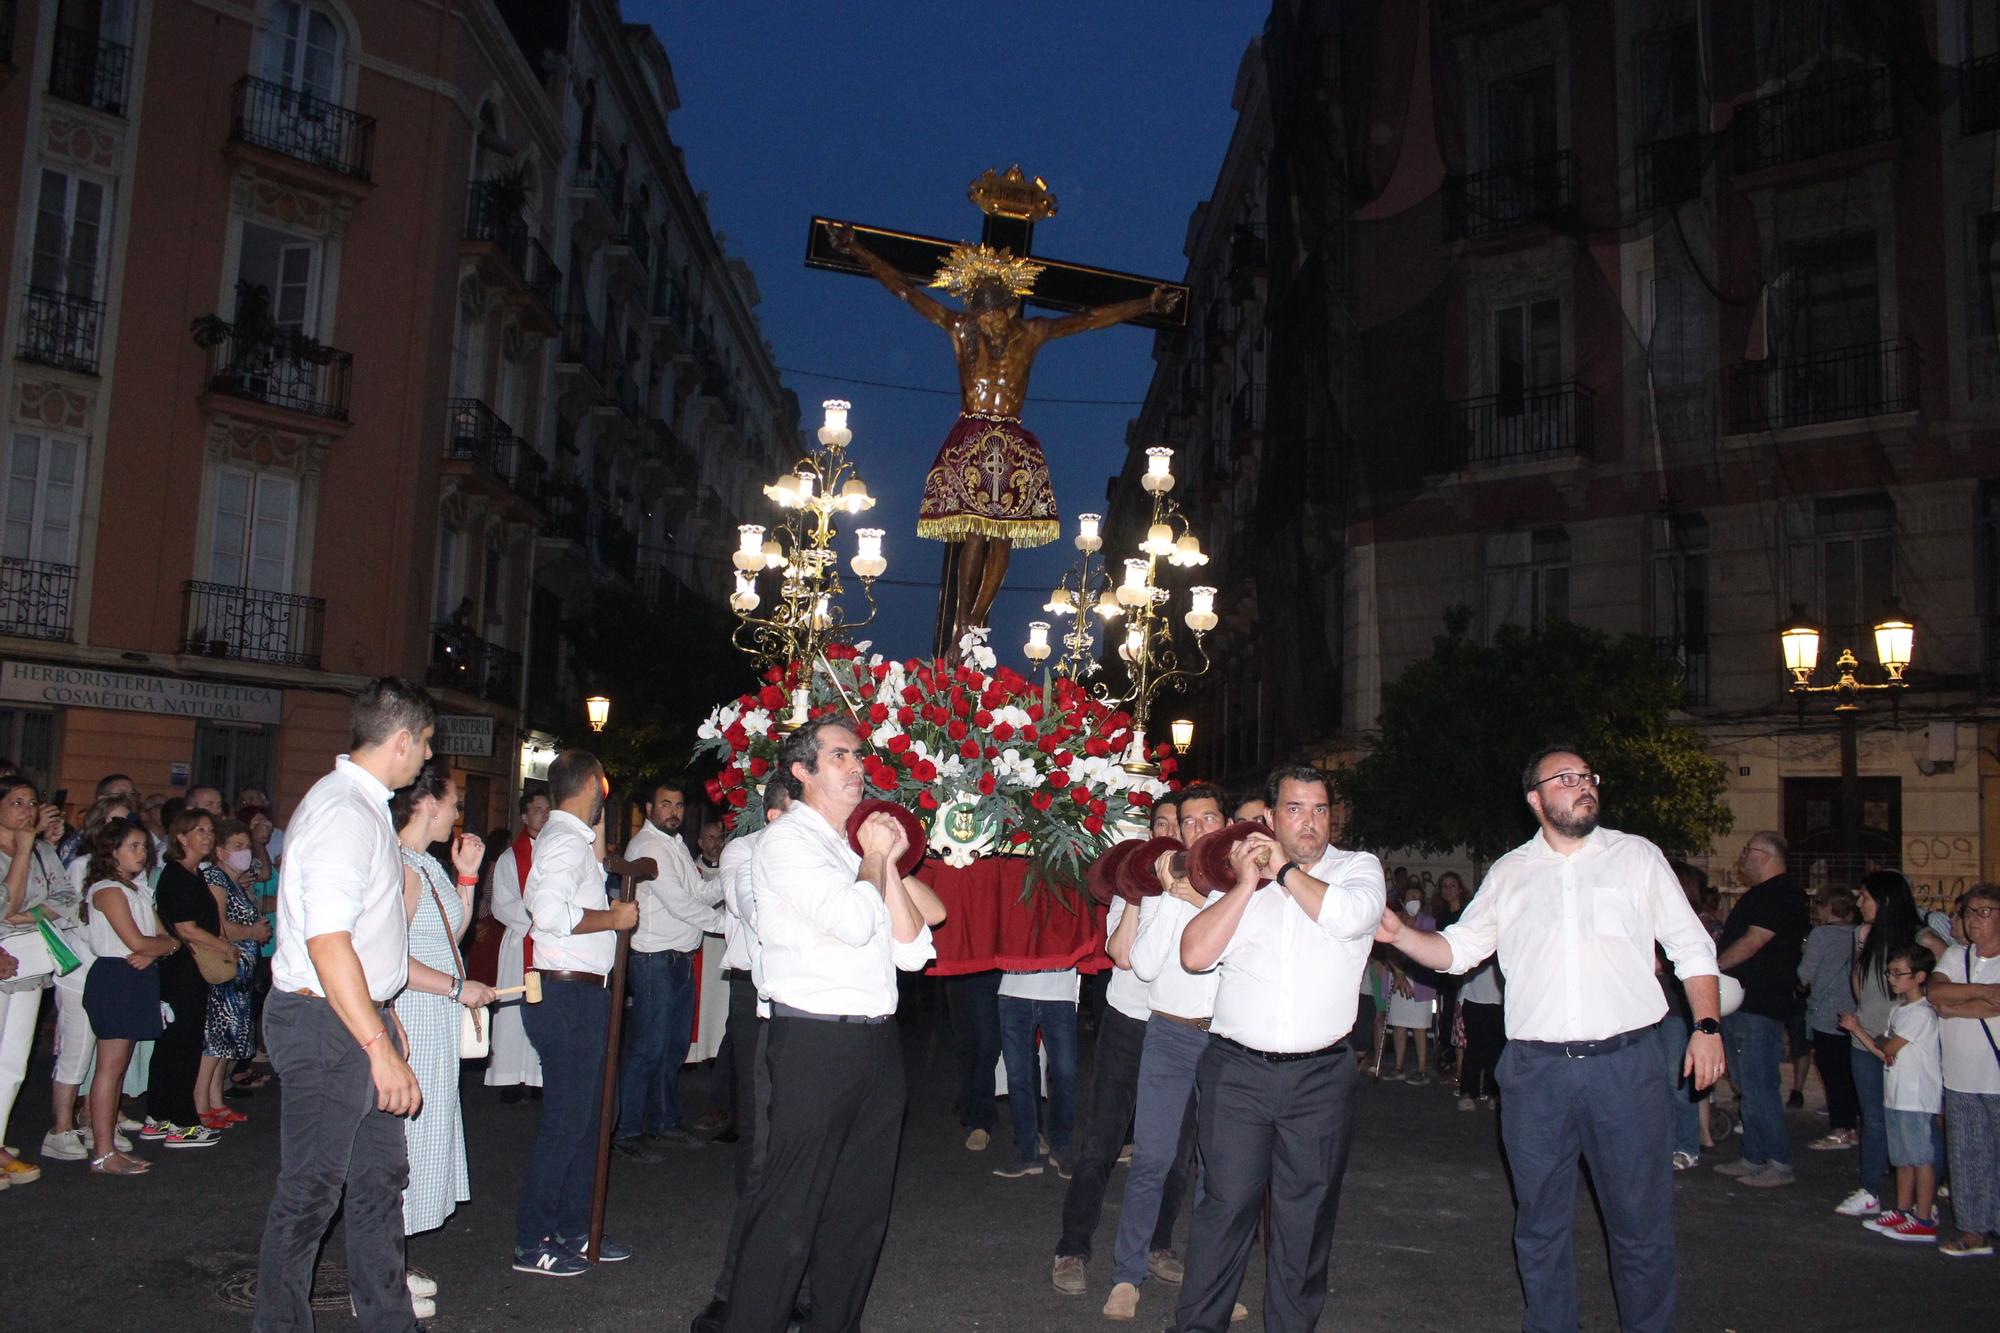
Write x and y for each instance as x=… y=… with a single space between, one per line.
x=343 y=953
x=575 y=944
x=835 y=928
x=1181 y=1004
x=1573 y=914
x=1277 y=1080
x=513 y=1064
x=1114 y=1090
x=675 y=908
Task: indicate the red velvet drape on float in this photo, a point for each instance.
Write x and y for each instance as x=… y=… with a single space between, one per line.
x=987 y=925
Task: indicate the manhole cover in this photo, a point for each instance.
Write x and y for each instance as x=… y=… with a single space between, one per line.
x=329 y=1291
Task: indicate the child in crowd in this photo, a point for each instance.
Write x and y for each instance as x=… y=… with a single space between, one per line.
x=1912 y=1091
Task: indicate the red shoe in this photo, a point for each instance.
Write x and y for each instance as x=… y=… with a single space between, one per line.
x=217 y=1119
x=1913 y=1228
x=231 y=1116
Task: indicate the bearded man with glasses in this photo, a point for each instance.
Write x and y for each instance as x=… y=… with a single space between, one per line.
x=1573 y=914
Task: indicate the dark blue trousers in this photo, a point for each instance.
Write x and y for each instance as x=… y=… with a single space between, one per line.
x=569 y=1028
x=656 y=1042
x=1611 y=1111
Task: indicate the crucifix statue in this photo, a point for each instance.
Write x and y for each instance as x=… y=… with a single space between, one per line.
x=989 y=489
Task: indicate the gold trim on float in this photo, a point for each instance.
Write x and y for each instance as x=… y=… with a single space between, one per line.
x=1023 y=532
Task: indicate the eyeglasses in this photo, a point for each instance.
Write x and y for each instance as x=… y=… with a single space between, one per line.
x=1974 y=909
x=1572 y=778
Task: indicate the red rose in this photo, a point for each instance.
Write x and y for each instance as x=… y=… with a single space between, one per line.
x=772 y=675
x=956 y=730
x=881 y=775
x=1139 y=800
x=1063 y=759
x=1169 y=766
x=880 y=671
x=992 y=752
x=729 y=820
x=960 y=704
x=897 y=744
x=714 y=792
x=969 y=749
x=936 y=714
x=738 y=738
x=1004 y=732
x=982 y=718
x=738 y=797
x=925 y=771
x=1080 y=794
x=746 y=701
x=1093 y=825
x=1094 y=746
x=905 y=716
x=1098 y=808
x=926 y=800
x=1018 y=836
x=1047 y=745
x=731 y=777
x=986 y=784
x=1042 y=799
x=759 y=766
x=912 y=695
x=878 y=713
x=908 y=759
x=1058 y=778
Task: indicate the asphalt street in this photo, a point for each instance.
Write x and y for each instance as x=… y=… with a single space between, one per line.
x=1423 y=1239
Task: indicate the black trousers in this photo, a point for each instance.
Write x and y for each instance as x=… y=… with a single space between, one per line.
x=1287 y=1125
x=821 y=1205
x=177 y=1051
x=1836 y=1070
x=1114 y=1091
x=975 y=1018
x=334 y=1148
x=753 y=1090
x=1485 y=1038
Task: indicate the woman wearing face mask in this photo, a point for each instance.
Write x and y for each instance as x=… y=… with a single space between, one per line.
x=1411 y=1002
x=230 y=1035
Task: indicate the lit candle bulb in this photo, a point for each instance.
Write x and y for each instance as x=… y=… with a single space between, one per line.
x=745 y=597
x=1159 y=476
x=868 y=562
x=774 y=555
x=749 y=547
x=1135 y=642
x=1108 y=605
x=1159 y=540
x=1087 y=539
x=836 y=413
x=855 y=497
x=1037 y=647
x=803 y=487
x=1134 y=592
x=1201 y=617
x=1187 y=552
x=1060 y=603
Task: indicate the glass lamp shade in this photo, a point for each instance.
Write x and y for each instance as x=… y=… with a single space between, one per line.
x=1159 y=540
x=1108 y=605
x=784 y=492
x=1183 y=732
x=1799 y=638
x=1187 y=552
x=749 y=553
x=1088 y=539
x=1060 y=603
x=1135 y=643
x=1159 y=477
x=597 y=709
x=1037 y=647
x=802 y=486
x=1133 y=591
x=868 y=561
x=855 y=497
x=1201 y=617
x=836 y=414
x=1895 y=637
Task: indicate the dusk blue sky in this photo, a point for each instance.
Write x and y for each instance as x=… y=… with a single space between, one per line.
x=883 y=112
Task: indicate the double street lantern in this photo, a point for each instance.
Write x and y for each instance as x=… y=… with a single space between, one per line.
x=1895 y=640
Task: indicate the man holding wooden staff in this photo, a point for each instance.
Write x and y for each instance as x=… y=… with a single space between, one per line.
x=835 y=927
x=575 y=945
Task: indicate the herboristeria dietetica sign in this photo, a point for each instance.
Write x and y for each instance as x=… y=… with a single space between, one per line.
x=166 y=696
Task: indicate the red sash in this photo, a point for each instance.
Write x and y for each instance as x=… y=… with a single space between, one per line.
x=524 y=859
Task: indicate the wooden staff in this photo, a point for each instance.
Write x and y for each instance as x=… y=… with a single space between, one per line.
x=608 y=1096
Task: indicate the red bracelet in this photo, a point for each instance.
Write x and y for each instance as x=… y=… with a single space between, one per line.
x=468 y=881
x=372 y=1040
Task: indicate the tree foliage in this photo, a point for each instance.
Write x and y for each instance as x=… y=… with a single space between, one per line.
x=1444 y=769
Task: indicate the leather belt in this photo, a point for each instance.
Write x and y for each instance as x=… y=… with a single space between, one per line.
x=582 y=978
x=786 y=1011
x=1583 y=1050
x=1200 y=1024
x=736 y=974
x=1281 y=1057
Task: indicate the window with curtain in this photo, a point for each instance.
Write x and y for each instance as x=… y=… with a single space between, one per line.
x=302 y=49
x=254 y=530
x=40 y=510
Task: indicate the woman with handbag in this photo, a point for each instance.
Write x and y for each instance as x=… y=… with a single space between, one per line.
x=1965 y=990
x=188 y=909
x=122 y=994
x=229 y=1034
x=439 y=1002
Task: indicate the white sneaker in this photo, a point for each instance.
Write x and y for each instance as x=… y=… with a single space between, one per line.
x=127 y=1125
x=423 y=1307
x=68 y=1146
x=420 y=1285
x=118 y=1139
x=1858 y=1204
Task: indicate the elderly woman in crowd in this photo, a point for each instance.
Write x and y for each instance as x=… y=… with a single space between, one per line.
x=230 y=873
x=438 y=906
x=188 y=908
x=1965 y=990
x=1823 y=971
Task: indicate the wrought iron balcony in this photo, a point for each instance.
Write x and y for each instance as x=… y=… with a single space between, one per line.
x=1828 y=116
x=599 y=179
x=461 y=660
x=60 y=330
x=1979 y=95
x=88 y=70
x=1532 y=425
x=566 y=507
x=477 y=435
x=301 y=126
x=1540 y=189
x=252 y=625
x=1841 y=384
x=35 y=597
x=1668 y=171
x=1689 y=654
x=581 y=345
x=670 y=302
x=630 y=233
x=283 y=369
x=488 y=219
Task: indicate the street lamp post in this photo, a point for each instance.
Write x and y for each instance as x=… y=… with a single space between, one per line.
x=1895 y=639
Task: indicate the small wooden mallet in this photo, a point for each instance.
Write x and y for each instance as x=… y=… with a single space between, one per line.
x=529 y=990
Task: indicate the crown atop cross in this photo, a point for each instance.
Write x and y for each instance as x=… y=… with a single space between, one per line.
x=1012 y=195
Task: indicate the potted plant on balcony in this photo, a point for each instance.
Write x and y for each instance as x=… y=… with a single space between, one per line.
x=256 y=343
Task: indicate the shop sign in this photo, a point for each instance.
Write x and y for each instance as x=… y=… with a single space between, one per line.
x=164 y=696
x=463 y=734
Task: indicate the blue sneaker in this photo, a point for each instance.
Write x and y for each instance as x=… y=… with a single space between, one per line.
x=549 y=1259
x=612 y=1251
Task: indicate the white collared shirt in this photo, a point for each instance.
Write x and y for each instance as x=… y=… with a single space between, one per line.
x=827 y=944
x=1575 y=936
x=565 y=881
x=506 y=903
x=1288 y=982
x=1156 y=959
x=1125 y=992
x=676 y=906
x=739 y=905
x=341 y=876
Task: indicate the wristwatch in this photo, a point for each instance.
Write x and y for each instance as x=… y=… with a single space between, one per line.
x=1708 y=1027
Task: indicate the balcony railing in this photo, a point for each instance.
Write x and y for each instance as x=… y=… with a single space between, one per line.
x=597 y=172
x=1837 y=385
x=670 y=301
x=487 y=219
x=461 y=660
x=631 y=233
x=35 y=599
x=581 y=344
x=1532 y=425
x=479 y=436
x=299 y=125
x=1509 y=196
x=1828 y=116
x=285 y=370
x=87 y=70
x=60 y=330
x=1979 y=95
x=566 y=510
x=1668 y=171
x=252 y=625
x=1689 y=654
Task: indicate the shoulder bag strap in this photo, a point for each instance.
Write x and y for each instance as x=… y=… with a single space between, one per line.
x=1983 y=1027
x=445 y=921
